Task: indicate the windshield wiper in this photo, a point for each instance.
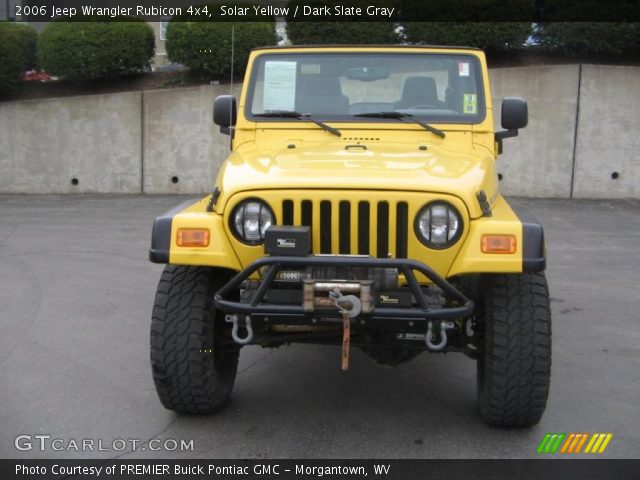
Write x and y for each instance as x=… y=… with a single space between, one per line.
x=300 y=116
x=400 y=116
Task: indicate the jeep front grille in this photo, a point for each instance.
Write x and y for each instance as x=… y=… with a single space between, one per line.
x=352 y=227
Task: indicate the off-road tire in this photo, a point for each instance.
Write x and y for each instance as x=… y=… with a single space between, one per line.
x=192 y=374
x=514 y=367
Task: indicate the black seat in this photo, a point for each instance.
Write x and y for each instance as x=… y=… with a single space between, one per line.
x=321 y=95
x=418 y=91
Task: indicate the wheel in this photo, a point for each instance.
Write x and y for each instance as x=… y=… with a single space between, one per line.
x=191 y=372
x=514 y=366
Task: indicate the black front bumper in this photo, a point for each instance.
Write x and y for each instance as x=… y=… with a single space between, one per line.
x=414 y=316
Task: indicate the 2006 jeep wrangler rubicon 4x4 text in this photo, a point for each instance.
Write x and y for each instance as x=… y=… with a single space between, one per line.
x=359 y=207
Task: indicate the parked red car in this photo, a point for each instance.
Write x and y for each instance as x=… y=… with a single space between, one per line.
x=36 y=76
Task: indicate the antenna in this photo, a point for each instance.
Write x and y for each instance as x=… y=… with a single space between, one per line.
x=233 y=31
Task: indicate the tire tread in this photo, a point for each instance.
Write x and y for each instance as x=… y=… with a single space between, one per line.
x=183 y=321
x=514 y=373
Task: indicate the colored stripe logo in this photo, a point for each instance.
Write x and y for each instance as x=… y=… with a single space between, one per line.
x=550 y=442
x=574 y=443
x=598 y=443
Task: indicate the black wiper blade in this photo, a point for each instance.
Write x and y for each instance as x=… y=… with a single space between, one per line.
x=400 y=116
x=299 y=116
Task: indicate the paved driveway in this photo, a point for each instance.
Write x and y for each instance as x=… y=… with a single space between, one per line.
x=76 y=292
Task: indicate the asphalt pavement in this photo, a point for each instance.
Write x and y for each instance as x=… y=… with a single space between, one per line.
x=76 y=292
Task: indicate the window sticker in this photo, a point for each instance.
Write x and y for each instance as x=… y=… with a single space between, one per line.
x=279 y=85
x=463 y=69
x=469 y=103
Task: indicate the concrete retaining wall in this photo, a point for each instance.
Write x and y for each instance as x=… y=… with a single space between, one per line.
x=581 y=140
x=607 y=152
x=539 y=162
x=183 y=149
x=46 y=146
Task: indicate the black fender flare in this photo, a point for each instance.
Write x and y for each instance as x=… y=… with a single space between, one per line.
x=533 y=248
x=161 y=233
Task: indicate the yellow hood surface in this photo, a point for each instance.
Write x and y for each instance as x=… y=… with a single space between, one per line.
x=363 y=162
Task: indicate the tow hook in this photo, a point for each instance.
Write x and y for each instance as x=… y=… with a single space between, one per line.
x=441 y=331
x=233 y=318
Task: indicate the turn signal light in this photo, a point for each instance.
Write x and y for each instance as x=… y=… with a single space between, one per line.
x=193 y=237
x=498 y=244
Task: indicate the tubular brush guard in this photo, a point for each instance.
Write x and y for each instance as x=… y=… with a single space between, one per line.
x=379 y=316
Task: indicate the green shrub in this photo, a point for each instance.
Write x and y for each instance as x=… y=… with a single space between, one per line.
x=205 y=47
x=344 y=32
x=17 y=52
x=576 y=38
x=490 y=36
x=96 y=50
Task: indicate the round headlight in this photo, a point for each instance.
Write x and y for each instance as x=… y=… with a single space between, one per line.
x=250 y=219
x=438 y=225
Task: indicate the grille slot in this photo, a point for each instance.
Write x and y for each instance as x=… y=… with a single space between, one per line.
x=383 y=230
x=345 y=227
x=365 y=227
x=402 y=225
x=325 y=226
x=287 y=212
x=307 y=213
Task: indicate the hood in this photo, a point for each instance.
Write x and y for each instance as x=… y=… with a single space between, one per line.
x=361 y=165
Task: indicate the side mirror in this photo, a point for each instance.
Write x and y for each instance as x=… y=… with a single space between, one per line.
x=224 y=113
x=515 y=115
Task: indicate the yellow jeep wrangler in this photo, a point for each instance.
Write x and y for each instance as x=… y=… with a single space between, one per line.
x=359 y=207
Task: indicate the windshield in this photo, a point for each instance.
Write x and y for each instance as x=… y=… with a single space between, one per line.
x=435 y=87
